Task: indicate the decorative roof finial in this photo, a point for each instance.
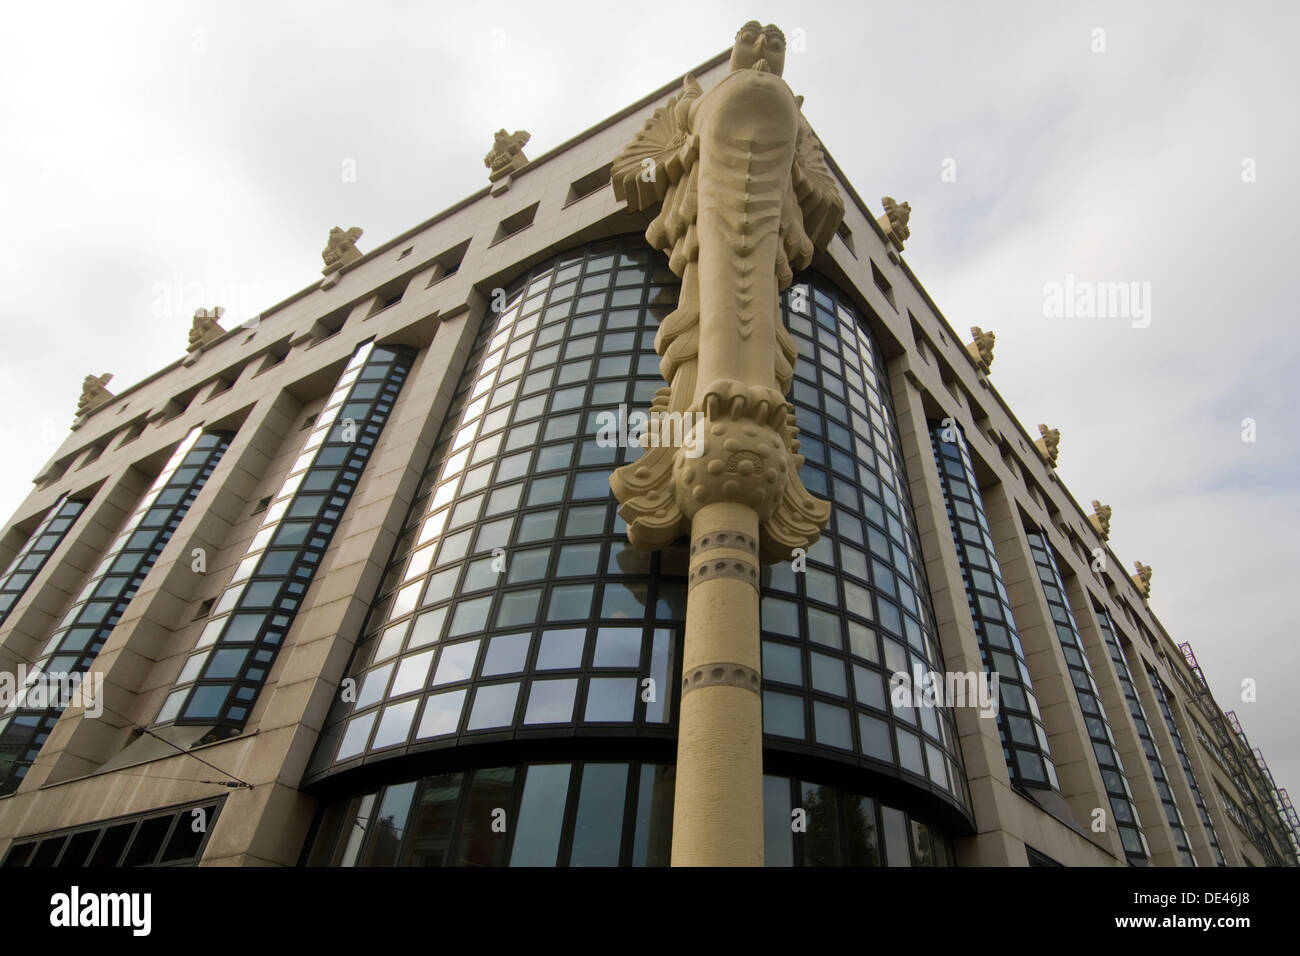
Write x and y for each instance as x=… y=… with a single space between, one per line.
x=206 y=327
x=1049 y=445
x=341 y=250
x=894 y=221
x=1100 y=519
x=93 y=393
x=507 y=153
x=1142 y=580
x=981 y=350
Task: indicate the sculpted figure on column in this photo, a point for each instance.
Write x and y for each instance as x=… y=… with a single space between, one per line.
x=746 y=197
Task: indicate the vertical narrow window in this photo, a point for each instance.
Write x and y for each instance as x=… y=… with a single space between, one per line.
x=29 y=561
x=233 y=656
x=596 y=833
x=541 y=815
x=778 y=837
x=1182 y=845
x=1124 y=814
x=1162 y=698
x=1020 y=725
x=72 y=648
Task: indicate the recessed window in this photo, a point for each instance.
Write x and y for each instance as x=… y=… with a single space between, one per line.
x=133 y=432
x=171 y=838
x=883 y=284
x=389 y=295
x=406 y=252
x=584 y=186
x=277 y=354
x=448 y=263
x=516 y=223
x=329 y=326
x=204 y=609
x=846 y=235
x=93 y=455
x=307 y=423
x=223 y=384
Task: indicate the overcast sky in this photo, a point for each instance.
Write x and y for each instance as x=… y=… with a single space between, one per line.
x=154 y=150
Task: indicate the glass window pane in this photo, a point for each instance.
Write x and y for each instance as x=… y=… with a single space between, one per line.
x=551 y=701
x=578 y=559
x=778 y=838
x=561 y=649
x=570 y=602
x=506 y=654
x=432 y=820
x=480 y=843
x=782 y=714
x=618 y=647
x=821 y=839
x=456 y=662
x=389 y=825
x=832 y=724
x=654 y=816
x=611 y=699
x=541 y=815
x=441 y=714
x=781 y=663
x=897 y=839
x=860 y=830
x=494 y=706
x=598 y=828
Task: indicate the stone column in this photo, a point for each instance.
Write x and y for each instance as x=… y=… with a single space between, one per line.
x=746 y=197
x=718 y=807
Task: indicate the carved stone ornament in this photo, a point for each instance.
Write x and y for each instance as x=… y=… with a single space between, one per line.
x=1100 y=519
x=894 y=221
x=206 y=327
x=507 y=153
x=93 y=393
x=1142 y=580
x=1049 y=444
x=745 y=197
x=981 y=349
x=341 y=249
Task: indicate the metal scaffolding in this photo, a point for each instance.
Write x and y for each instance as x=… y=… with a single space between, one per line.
x=1271 y=831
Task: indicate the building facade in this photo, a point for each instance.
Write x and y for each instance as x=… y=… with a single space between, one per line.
x=347 y=585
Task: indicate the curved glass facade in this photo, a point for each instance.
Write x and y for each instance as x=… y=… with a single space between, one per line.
x=513 y=609
x=597 y=813
x=1020 y=723
x=860 y=610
